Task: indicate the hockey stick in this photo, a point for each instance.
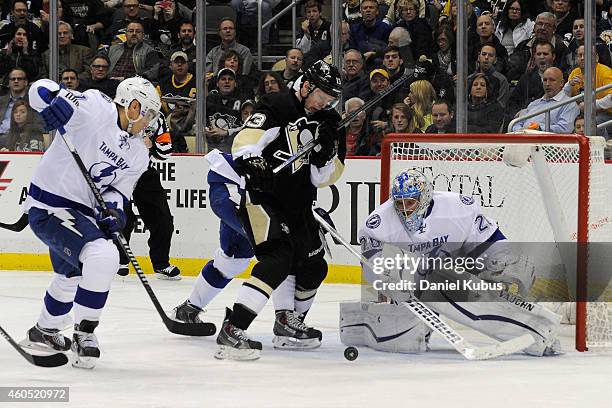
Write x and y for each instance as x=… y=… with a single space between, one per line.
x=53 y=360
x=433 y=321
x=187 y=329
x=307 y=148
x=17 y=226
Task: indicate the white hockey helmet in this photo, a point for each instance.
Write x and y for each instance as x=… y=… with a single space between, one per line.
x=144 y=92
x=411 y=194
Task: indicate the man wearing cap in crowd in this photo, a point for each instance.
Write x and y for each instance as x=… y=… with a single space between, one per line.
x=180 y=83
x=223 y=112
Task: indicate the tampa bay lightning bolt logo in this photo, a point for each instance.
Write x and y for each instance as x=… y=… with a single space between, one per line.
x=467 y=200
x=373 y=221
x=103 y=173
x=124 y=143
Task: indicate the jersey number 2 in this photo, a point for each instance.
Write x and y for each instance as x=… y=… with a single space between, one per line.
x=482 y=223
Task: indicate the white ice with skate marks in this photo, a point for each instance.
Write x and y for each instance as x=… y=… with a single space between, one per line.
x=144 y=365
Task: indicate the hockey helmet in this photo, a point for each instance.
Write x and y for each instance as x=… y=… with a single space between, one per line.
x=324 y=76
x=144 y=92
x=411 y=194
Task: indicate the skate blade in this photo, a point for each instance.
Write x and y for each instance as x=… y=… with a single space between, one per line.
x=161 y=276
x=231 y=353
x=83 y=362
x=291 y=343
x=25 y=343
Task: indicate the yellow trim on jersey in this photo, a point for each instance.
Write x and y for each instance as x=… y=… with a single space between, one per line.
x=247 y=137
x=336 y=174
x=260 y=222
x=174 y=84
x=261 y=285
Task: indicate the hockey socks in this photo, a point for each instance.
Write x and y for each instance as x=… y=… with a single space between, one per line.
x=208 y=284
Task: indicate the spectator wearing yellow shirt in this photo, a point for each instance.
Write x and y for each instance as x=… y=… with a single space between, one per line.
x=603 y=76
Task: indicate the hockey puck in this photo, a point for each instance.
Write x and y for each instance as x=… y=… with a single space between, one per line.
x=351 y=353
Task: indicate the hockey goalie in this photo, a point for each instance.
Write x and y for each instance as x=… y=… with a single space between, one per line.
x=411 y=246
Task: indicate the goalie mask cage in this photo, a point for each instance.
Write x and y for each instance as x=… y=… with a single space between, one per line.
x=539 y=188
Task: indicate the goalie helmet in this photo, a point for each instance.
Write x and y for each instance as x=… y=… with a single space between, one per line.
x=144 y=92
x=326 y=77
x=411 y=194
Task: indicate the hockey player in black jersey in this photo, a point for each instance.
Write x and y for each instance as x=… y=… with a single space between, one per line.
x=277 y=209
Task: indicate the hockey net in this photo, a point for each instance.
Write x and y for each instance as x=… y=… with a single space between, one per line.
x=539 y=188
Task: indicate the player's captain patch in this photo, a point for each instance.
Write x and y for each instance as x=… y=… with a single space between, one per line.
x=373 y=221
x=467 y=200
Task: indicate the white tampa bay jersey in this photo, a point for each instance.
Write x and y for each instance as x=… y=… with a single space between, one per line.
x=454 y=222
x=113 y=159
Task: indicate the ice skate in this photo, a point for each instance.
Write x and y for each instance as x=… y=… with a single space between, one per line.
x=186 y=312
x=170 y=272
x=291 y=333
x=49 y=340
x=234 y=344
x=85 y=345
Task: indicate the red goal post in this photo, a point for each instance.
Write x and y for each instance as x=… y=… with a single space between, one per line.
x=554 y=165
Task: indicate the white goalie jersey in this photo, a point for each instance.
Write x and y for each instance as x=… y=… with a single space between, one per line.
x=453 y=223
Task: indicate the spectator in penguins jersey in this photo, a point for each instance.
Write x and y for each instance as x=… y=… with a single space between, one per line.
x=223 y=112
x=150 y=199
x=181 y=83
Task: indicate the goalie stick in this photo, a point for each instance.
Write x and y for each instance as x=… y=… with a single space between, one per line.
x=16 y=226
x=186 y=329
x=53 y=360
x=433 y=321
x=307 y=148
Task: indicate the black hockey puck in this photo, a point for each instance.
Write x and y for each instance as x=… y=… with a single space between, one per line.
x=351 y=353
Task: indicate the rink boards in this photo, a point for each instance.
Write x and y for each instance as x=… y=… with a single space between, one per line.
x=196 y=227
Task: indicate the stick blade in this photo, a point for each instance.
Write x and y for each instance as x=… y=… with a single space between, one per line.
x=191 y=329
x=17 y=226
x=53 y=360
x=502 y=348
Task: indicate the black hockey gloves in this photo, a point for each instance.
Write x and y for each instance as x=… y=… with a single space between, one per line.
x=327 y=137
x=257 y=172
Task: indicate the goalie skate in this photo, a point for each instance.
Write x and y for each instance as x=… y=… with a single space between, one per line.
x=234 y=344
x=85 y=345
x=49 y=340
x=290 y=332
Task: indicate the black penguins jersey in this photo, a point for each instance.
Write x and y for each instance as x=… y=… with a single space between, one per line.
x=276 y=130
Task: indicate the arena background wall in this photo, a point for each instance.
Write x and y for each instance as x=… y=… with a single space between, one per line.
x=196 y=228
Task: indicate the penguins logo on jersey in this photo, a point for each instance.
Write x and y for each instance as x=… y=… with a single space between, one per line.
x=298 y=134
x=223 y=121
x=103 y=173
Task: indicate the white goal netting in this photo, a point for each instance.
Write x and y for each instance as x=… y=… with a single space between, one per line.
x=532 y=191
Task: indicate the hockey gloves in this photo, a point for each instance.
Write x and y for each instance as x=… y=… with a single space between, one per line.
x=112 y=220
x=59 y=111
x=327 y=138
x=258 y=173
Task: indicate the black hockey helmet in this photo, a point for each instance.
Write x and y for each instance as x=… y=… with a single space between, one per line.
x=325 y=77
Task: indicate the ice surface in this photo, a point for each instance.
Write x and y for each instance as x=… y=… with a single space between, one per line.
x=144 y=365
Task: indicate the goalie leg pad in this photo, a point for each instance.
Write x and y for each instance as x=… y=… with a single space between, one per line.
x=382 y=326
x=505 y=319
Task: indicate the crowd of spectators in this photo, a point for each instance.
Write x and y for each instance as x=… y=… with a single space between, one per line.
x=522 y=55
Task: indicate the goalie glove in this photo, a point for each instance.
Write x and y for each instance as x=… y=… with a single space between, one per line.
x=510 y=269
